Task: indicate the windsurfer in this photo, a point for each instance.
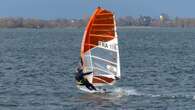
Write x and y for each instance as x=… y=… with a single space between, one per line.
x=81 y=80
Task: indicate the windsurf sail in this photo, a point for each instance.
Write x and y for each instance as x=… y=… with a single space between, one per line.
x=99 y=49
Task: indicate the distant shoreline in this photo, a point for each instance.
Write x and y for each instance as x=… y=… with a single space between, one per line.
x=118 y=27
x=123 y=22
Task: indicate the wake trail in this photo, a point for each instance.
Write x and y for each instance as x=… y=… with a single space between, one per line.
x=128 y=91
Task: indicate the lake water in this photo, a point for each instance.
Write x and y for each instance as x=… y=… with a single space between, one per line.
x=37 y=70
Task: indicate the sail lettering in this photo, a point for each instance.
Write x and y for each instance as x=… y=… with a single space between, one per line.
x=107 y=45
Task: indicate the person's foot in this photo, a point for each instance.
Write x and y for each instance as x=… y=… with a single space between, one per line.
x=117 y=78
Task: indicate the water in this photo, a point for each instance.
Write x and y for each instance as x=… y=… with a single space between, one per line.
x=37 y=70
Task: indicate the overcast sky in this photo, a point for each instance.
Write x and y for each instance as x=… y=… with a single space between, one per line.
x=52 y=9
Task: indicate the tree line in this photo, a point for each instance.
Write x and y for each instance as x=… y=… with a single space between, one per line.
x=162 y=21
x=19 y=22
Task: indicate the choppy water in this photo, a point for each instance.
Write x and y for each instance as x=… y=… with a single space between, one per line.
x=37 y=70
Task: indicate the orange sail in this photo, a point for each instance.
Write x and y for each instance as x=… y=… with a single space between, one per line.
x=99 y=48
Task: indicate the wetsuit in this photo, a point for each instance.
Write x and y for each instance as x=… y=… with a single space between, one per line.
x=83 y=81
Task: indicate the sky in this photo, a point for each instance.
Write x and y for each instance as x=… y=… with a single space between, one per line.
x=53 y=9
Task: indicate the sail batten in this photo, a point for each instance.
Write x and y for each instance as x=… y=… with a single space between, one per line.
x=100 y=52
x=105 y=14
x=103 y=70
x=104 y=30
x=104 y=60
x=99 y=35
x=103 y=25
x=104 y=19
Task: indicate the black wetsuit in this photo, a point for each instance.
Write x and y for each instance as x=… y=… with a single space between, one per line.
x=83 y=81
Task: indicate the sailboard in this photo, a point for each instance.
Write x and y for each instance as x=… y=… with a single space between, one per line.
x=99 y=49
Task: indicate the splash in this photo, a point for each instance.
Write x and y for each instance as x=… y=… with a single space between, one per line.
x=126 y=91
x=117 y=93
x=129 y=91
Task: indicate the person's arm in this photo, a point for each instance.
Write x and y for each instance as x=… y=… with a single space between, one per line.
x=87 y=73
x=117 y=78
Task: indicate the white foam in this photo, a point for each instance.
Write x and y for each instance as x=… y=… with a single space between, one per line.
x=118 y=92
x=126 y=91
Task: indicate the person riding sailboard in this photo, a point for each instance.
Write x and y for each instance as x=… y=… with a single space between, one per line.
x=81 y=80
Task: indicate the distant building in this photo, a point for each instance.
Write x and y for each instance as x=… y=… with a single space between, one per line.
x=164 y=19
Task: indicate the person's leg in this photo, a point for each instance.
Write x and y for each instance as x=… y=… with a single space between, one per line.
x=92 y=86
x=88 y=86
